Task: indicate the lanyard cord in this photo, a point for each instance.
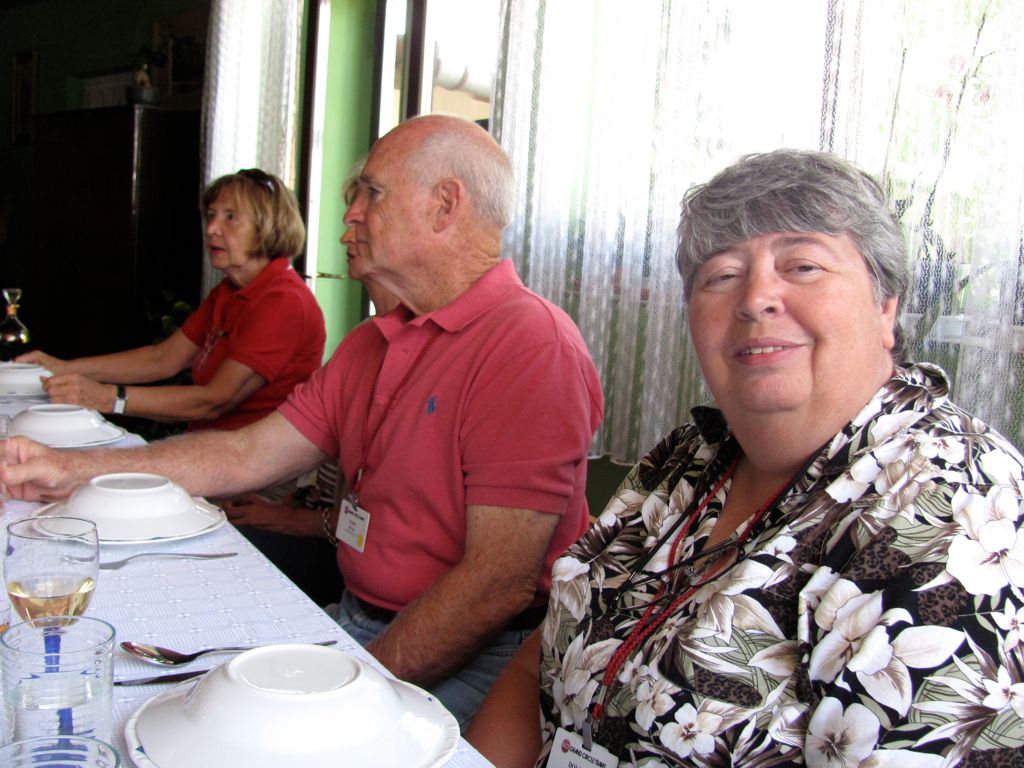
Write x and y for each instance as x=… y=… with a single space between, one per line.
x=399 y=390
x=681 y=527
x=649 y=620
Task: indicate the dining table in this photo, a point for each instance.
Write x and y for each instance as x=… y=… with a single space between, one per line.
x=187 y=605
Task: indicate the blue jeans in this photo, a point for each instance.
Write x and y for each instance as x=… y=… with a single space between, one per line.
x=463 y=692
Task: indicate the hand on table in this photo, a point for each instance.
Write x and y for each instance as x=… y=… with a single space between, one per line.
x=34 y=472
x=38 y=357
x=75 y=389
x=253 y=510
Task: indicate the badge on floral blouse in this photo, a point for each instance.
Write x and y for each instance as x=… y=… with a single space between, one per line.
x=567 y=751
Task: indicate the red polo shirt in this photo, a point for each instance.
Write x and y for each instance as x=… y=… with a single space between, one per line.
x=491 y=400
x=273 y=325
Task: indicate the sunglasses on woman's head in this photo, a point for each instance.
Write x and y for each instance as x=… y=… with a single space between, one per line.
x=261 y=178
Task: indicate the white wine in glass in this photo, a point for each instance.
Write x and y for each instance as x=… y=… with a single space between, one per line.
x=50 y=566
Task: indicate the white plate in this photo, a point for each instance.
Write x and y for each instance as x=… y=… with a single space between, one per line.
x=415 y=699
x=40 y=395
x=209 y=518
x=84 y=438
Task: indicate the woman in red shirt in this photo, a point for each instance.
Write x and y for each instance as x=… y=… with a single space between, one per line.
x=258 y=334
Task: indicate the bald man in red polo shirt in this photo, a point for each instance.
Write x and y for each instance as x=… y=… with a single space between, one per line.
x=461 y=420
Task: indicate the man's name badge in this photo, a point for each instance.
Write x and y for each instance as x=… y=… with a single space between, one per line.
x=353 y=522
x=567 y=751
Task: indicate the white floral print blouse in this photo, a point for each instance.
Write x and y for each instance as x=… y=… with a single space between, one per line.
x=874 y=618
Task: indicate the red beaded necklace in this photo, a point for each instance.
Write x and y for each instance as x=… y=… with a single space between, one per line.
x=650 y=620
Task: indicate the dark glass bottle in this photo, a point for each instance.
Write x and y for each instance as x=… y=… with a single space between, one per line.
x=13 y=333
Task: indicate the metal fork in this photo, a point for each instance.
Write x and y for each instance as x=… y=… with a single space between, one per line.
x=113 y=565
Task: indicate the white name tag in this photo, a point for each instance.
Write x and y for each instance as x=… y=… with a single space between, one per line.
x=353 y=522
x=567 y=752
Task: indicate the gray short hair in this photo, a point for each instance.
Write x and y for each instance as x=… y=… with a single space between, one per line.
x=482 y=167
x=795 y=191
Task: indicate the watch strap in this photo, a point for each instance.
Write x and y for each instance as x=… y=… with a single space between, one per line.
x=121 y=400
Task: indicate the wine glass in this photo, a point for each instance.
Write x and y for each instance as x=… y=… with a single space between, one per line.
x=51 y=565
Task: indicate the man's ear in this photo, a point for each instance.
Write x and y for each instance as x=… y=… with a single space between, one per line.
x=449 y=197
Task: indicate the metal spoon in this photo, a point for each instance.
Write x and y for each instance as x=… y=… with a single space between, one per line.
x=154 y=654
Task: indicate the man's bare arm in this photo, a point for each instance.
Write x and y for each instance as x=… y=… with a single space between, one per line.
x=444 y=629
x=205 y=463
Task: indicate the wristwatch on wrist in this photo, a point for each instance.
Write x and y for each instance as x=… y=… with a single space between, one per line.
x=121 y=401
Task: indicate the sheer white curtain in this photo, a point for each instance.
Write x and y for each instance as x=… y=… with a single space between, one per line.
x=610 y=110
x=252 y=97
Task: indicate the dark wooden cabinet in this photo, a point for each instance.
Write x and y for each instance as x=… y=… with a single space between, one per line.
x=116 y=231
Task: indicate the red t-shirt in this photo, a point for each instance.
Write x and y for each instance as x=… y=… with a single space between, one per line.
x=491 y=400
x=273 y=325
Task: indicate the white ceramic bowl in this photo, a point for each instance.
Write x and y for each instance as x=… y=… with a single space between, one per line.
x=55 y=419
x=300 y=706
x=134 y=506
x=65 y=426
x=21 y=378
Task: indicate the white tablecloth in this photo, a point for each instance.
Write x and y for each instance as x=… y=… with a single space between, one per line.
x=192 y=604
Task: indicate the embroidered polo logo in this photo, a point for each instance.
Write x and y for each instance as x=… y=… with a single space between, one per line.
x=431 y=404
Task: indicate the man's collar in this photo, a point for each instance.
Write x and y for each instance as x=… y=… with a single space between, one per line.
x=486 y=292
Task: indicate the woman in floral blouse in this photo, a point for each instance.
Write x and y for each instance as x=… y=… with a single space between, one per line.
x=825 y=567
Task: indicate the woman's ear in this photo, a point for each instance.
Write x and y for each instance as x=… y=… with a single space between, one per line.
x=890 y=309
x=449 y=196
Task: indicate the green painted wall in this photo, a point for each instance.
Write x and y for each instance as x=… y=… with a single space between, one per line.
x=346 y=132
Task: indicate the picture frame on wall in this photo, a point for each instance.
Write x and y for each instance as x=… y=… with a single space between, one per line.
x=183 y=39
x=23 y=95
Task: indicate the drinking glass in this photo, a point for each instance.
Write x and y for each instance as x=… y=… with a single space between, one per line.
x=51 y=565
x=5 y=432
x=59 y=752
x=58 y=678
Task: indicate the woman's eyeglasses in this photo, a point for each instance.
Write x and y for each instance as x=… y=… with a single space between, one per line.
x=696 y=571
x=689 y=567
